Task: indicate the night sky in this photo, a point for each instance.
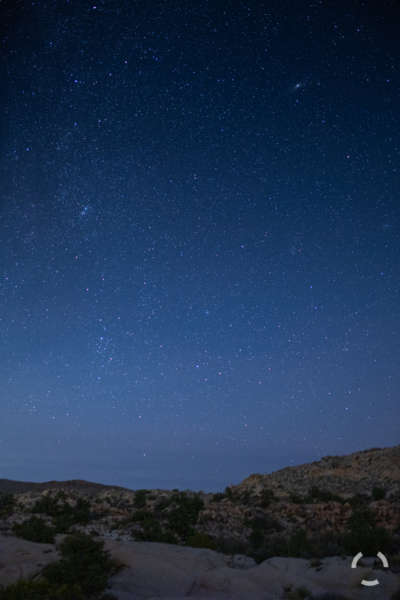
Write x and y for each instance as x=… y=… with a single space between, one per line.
x=199 y=236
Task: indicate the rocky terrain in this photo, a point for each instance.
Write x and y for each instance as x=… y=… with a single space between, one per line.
x=304 y=512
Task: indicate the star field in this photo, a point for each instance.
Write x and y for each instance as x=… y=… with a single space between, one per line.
x=199 y=233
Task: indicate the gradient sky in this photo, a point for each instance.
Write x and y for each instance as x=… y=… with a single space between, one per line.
x=199 y=235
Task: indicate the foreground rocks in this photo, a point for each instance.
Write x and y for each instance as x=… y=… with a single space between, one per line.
x=150 y=570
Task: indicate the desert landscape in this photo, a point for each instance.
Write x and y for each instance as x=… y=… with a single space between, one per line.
x=289 y=534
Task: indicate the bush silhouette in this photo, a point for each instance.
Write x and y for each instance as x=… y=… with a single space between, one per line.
x=84 y=563
x=266 y=497
x=256 y=538
x=229 y=493
x=65 y=512
x=40 y=590
x=218 y=497
x=184 y=516
x=35 y=530
x=162 y=503
x=151 y=529
x=7 y=503
x=201 y=540
x=315 y=493
x=140 y=499
x=378 y=493
x=364 y=535
x=298 y=545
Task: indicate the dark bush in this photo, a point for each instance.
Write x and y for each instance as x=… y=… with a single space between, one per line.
x=364 y=536
x=218 y=497
x=151 y=529
x=368 y=541
x=299 y=545
x=40 y=590
x=296 y=499
x=84 y=563
x=64 y=513
x=184 y=516
x=35 y=530
x=229 y=493
x=265 y=523
x=318 y=495
x=358 y=500
x=256 y=538
x=245 y=497
x=201 y=540
x=142 y=515
x=63 y=523
x=162 y=504
x=325 y=543
x=378 y=493
x=230 y=545
x=7 y=503
x=140 y=499
x=266 y=497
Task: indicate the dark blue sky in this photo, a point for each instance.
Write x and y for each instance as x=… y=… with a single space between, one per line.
x=199 y=237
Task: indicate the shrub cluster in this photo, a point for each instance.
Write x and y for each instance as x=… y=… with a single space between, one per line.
x=63 y=517
x=140 y=499
x=81 y=574
x=184 y=515
x=7 y=503
x=152 y=530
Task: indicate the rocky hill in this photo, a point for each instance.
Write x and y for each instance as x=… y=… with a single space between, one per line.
x=356 y=473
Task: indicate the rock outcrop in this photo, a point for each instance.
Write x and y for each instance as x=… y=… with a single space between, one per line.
x=148 y=570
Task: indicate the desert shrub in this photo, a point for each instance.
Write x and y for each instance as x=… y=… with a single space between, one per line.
x=260 y=554
x=265 y=523
x=7 y=503
x=80 y=512
x=299 y=545
x=325 y=543
x=378 y=493
x=296 y=499
x=162 y=504
x=358 y=500
x=245 y=497
x=218 y=497
x=141 y=515
x=368 y=541
x=63 y=523
x=40 y=590
x=266 y=497
x=65 y=512
x=229 y=493
x=256 y=538
x=48 y=505
x=140 y=499
x=315 y=562
x=318 y=495
x=184 y=516
x=84 y=563
x=151 y=529
x=201 y=540
x=34 y=529
x=230 y=545
x=364 y=535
